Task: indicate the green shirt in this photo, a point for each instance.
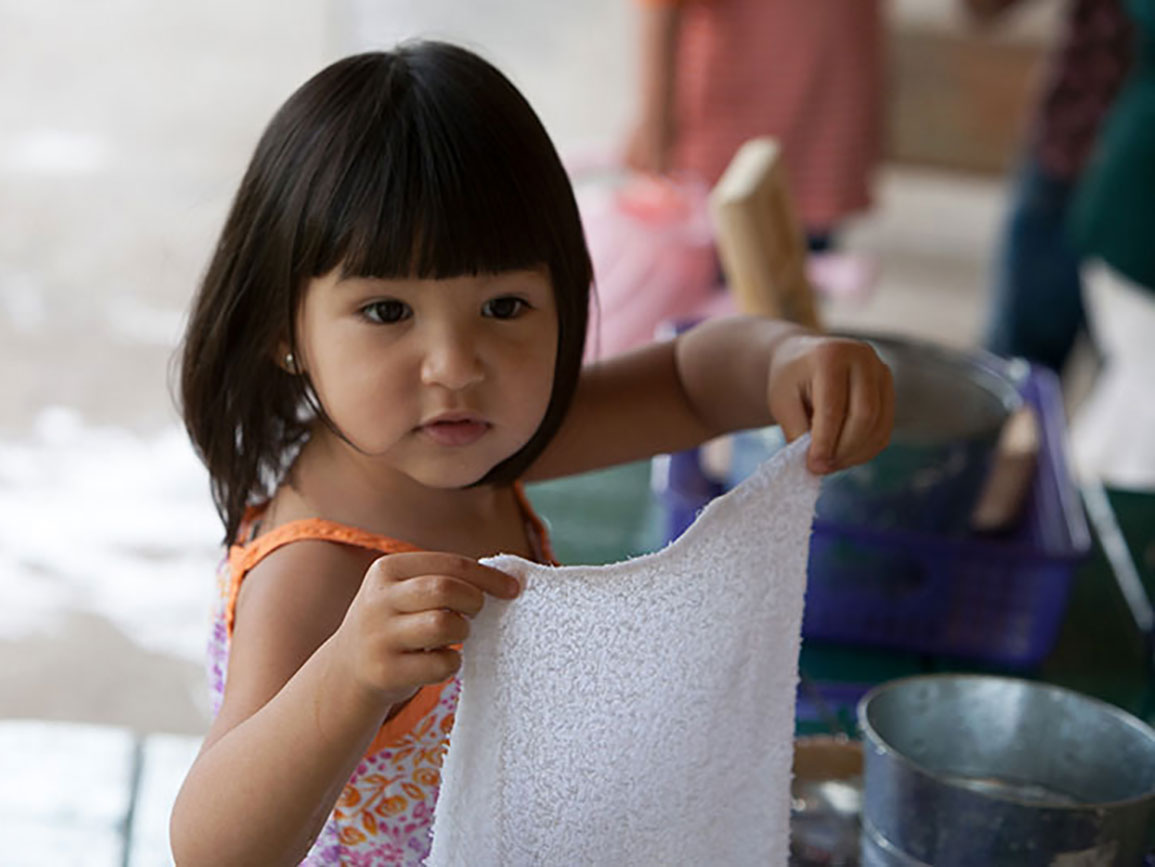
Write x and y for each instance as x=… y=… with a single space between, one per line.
x=1113 y=216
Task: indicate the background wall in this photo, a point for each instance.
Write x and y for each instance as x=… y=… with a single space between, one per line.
x=124 y=128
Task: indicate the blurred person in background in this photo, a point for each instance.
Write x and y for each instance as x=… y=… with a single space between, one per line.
x=714 y=73
x=1037 y=308
x=1113 y=228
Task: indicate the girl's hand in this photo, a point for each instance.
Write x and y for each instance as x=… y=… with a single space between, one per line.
x=840 y=391
x=411 y=607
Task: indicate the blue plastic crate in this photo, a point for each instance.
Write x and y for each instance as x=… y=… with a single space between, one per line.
x=996 y=599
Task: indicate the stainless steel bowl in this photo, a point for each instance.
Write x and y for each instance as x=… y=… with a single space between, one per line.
x=950 y=407
x=975 y=769
x=944 y=394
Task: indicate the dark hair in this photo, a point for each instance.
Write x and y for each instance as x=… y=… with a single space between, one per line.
x=423 y=161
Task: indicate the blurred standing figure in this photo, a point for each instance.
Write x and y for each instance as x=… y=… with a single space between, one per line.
x=715 y=73
x=1113 y=227
x=1037 y=309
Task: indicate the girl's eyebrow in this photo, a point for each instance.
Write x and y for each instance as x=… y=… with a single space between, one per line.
x=485 y=281
x=359 y=281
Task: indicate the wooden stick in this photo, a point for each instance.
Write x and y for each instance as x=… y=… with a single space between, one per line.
x=759 y=237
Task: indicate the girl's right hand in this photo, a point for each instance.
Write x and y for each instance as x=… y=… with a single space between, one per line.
x=409 y=609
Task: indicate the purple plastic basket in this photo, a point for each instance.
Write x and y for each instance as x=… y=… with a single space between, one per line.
x=828 y=703
x=996 y=599
x=685 y=490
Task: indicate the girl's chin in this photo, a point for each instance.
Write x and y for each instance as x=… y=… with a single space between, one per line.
x=448 y=481
x=436 y=466
x=452 y=477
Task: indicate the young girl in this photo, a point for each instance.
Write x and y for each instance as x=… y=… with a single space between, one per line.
x=387 y=341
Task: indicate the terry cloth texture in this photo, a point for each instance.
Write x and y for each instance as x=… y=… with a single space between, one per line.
x=640 y=713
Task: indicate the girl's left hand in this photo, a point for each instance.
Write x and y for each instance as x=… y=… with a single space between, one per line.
x=840 y=391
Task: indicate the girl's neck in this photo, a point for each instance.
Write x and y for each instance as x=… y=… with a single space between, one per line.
x=330 y=480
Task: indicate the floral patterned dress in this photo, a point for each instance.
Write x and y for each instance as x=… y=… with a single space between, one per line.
x=384 y=815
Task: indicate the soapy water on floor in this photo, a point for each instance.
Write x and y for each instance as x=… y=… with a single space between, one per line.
x=111 y=522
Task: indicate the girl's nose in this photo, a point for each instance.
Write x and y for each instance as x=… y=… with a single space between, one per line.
x=451 y=360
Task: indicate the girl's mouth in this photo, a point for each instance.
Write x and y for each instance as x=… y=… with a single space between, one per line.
x=455 y=432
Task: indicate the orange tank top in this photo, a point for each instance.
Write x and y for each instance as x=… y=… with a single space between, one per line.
x=385 y=812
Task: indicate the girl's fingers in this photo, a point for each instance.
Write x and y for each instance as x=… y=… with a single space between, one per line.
x=831 y=395
x=792 y=417
x=867 y=430
x=845 y=399
x=858 y=429
x=428 y=630
x=886 y=417
x=427 y=666
x=427 y=592
x=402 y=567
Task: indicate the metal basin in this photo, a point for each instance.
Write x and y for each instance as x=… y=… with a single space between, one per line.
x=981 y=770
x=950 y=407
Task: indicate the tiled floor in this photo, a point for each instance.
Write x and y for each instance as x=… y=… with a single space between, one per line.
x=87 y=795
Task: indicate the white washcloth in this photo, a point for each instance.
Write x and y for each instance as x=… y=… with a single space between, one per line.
x=640 y=713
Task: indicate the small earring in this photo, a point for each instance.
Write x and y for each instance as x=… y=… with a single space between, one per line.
x=290 y=363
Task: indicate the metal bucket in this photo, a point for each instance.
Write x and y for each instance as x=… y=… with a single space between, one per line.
x=950 y=407
x=966 y=770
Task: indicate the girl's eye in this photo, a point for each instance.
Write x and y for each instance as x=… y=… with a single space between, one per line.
x=387 y=311
x=505 y=307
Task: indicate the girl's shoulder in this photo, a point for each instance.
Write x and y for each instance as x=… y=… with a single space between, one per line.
x=323 y=537
x=288 y=591
x=301 y=587
x=314 y=563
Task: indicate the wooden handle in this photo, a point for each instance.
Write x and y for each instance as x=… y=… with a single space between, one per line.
x=759 y=238
x=1012 y=472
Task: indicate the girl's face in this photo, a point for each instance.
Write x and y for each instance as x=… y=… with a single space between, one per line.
x=439 y=379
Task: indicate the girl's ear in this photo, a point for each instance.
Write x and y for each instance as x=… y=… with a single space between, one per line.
x=283 y=357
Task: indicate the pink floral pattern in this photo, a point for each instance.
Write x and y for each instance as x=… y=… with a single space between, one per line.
x=385 y=813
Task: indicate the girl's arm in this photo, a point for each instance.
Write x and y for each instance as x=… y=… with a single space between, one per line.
x=727 y=375
x=319 y=658
x=292 y=724
x=649 y=143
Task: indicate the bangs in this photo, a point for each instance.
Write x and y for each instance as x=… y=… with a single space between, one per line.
x=435 y=186
x=420 y=162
